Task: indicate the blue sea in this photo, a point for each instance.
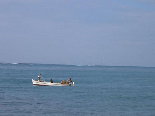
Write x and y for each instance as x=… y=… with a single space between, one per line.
x=98 y=90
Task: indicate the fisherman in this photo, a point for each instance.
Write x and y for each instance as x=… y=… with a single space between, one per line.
x=39 y=76
x=70 y=80
x=51 y=80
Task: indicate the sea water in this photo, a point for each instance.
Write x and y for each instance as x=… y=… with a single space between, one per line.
x=98 y=91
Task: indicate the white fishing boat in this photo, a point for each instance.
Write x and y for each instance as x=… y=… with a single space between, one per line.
x=44 y=83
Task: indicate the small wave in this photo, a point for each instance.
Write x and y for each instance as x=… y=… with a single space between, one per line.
x=14 y=63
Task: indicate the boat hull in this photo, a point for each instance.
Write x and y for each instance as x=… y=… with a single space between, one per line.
x=38 y=83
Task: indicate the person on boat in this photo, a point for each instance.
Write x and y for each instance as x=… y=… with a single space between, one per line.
x=51 y=80
x=39 y=76
x=70 y=80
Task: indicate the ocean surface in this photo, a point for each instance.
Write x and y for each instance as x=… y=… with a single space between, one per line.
x=98 y=90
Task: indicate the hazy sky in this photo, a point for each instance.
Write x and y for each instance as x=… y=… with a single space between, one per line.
x=81 y=32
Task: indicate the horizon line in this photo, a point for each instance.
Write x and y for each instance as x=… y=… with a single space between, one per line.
x=20 y=63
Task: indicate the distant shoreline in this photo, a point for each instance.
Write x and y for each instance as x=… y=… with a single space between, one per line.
x=72 y=65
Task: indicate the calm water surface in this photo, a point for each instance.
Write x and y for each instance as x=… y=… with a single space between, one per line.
x=98 y=91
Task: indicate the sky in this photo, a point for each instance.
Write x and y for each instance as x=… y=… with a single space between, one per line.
x=78 y=32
